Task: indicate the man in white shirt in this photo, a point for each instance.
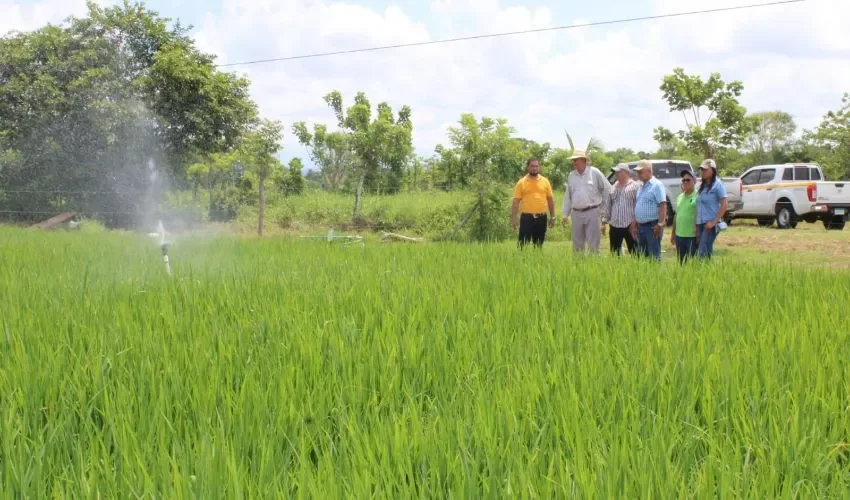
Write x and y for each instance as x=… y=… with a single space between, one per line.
x=584 y=198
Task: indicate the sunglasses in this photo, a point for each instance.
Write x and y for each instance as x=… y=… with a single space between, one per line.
x=687 y=180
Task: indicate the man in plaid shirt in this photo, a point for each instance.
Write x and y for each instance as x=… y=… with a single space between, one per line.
x=650 y=212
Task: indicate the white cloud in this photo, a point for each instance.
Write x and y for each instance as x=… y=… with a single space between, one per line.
x=594 y=82
x=601 y=81
x=19 y=16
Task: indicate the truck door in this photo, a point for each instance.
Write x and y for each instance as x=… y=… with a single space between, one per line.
x=765 y=191
x=748 y=195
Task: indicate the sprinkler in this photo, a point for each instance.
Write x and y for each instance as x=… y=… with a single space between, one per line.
x=164 y=247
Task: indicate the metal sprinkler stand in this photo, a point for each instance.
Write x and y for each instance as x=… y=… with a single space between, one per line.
x=331 y=238
x=164 y=248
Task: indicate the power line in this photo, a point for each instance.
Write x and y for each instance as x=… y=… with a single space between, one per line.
x=60 y=191
x=511 y=33
x=58 y=211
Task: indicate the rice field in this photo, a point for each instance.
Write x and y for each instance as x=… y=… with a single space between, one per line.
x=282 y=368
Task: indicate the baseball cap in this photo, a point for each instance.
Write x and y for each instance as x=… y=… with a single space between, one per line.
x=687 y=173
x=620 y=168
x=708 y=164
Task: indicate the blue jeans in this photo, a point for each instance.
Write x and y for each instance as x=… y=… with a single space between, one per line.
x=686 y=247
x=648 y=245
x=706 y=241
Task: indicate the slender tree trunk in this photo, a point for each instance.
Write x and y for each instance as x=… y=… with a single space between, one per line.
x=262 y=210
x=357 y=195
x=482 y=206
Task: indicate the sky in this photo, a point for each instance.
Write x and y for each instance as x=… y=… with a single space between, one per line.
x=598 y=81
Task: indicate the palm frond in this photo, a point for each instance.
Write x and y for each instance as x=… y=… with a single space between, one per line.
x=570 y=140
x=594 y=145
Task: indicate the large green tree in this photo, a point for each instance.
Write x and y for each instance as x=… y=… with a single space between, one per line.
x=714 y=118
x=382 y=144
x=331 y=152
x=832 y=137
x=487 y=141
x=94 y=110
x=770 y=137
x=483 y=156
x=474 y=143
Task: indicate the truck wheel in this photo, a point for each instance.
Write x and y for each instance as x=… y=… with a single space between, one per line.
x=785 y=216
x=765 y=221
x=834 y=224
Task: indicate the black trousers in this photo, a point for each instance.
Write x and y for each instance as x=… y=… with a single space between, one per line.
x=532 y=229
x=616 y=236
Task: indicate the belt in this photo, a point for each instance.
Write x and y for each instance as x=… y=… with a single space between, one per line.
x=536 y=216
x=652 y=223
x=585 y=209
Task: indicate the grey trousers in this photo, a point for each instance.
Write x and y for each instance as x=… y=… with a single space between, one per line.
x=587 y=230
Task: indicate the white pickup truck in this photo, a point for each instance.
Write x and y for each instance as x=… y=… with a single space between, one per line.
x=790 y=193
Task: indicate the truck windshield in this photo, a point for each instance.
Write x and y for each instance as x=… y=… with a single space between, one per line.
x=751 y=178
x=671 y=170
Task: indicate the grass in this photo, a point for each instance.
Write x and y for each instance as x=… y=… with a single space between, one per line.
x=284 y=368
x=432 y=213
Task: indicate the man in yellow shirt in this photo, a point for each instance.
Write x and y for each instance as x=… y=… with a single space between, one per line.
x=533 y=196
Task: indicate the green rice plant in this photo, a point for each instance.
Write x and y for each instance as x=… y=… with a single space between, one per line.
x=269 y=368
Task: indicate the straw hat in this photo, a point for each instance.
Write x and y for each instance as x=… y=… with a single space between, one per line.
x=644 y=165
x=579 y=153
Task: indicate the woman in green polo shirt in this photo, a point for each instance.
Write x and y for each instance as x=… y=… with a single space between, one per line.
x=684 y=235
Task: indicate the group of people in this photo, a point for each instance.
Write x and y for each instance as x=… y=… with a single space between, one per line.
x=631 y=212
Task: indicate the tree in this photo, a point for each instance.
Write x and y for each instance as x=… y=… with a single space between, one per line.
x=475 y=143
x=257 y=152
x=420 y=173
x=672 y=147
x=382 y=145
x=483 y=156
x=833 y=137
x=486 y=141
x=220 y=174
x=330 y=151
x=771 y=134
x=104 y=103
x=314 y=179
x=713 y=116
x=558 y=166
x=292 y=182
x=621 y=155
